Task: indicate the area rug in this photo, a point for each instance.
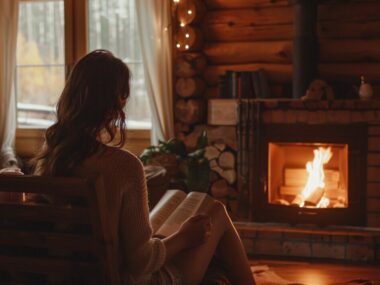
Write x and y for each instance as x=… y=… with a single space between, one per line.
x=263 y=275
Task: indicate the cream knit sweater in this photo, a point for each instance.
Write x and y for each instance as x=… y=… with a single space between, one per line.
x=128 y=214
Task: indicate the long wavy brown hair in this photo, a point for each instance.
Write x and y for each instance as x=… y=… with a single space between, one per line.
x=92 y=101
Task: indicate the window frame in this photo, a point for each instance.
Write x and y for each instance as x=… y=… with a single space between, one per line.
x=29 y=139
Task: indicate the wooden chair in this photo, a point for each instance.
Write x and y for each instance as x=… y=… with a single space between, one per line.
x=44 y=243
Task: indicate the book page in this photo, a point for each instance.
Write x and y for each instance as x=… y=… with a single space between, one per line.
x=186 y=209
x=165 y=207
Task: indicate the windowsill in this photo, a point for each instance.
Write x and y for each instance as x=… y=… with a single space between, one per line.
x=29 y=140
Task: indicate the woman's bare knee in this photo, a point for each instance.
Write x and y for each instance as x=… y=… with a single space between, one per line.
x=218 y=206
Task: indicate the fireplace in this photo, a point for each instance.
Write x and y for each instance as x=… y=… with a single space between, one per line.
x=310 y=174
x=279 y=145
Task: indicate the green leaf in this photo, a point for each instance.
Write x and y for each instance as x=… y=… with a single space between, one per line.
x=202 y=140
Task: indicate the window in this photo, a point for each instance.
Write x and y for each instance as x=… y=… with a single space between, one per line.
x=40 y=61
x=49 y=41
x=113 y=26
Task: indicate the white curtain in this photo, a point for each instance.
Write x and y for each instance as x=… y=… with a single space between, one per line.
x=8 y=40
x=153 y=19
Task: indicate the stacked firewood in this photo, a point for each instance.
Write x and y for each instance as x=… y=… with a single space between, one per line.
x=223 y=177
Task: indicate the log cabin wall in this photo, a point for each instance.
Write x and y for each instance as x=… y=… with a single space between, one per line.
x=252 y=34
x=245 y=35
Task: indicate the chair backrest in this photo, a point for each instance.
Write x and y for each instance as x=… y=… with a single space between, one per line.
x=65 y=242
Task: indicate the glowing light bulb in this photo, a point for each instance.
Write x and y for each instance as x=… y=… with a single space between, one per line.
x=182 y=25
x=189 y=12
x=176 y=1
x=187 y=36
x=186 y=46
x=178 y=45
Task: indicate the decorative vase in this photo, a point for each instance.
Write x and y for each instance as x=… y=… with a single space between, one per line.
x=365 y=90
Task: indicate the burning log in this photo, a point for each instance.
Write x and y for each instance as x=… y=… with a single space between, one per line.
x=312 y=200
x=315 y=197
x=282 y=202
x=298 y=201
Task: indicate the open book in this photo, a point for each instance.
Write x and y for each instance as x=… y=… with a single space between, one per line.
x=174 y=208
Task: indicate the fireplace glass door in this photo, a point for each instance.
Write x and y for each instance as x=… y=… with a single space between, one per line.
x=309 y=174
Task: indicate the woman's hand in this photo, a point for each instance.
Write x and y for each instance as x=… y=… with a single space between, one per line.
x=196 y=230
x=193 y=232
x=11 y=171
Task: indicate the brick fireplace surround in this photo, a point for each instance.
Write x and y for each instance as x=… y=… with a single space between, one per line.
x=344 y=243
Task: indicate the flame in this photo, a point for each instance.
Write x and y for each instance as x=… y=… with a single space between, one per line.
x=316 y=177
x=324 y=203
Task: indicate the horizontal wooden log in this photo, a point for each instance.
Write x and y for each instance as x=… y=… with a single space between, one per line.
x=190 y=87
x=250 y=17
x=249 y=52
x=350 y=51
x=337 y=30
x=277 y=73
x=242 y=32
x=189 y=64
x=349 y=71
x=359 y=11
x=282 y=51
x=189 y=12
x=235 y=4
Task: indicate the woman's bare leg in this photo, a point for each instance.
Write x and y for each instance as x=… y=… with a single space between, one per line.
x=224 y=239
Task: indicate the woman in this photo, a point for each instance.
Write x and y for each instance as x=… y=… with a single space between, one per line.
x=92 y=104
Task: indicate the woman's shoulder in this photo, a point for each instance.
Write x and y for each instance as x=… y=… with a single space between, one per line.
x=120 y=157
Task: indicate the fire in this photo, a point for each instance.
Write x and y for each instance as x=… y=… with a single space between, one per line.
x=316 y=178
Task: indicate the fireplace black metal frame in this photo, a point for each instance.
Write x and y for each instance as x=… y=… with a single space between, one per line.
x=354 y=135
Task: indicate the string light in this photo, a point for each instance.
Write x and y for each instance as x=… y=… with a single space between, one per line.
x=180 y=45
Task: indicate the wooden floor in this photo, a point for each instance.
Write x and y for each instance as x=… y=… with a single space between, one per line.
x=313 y=273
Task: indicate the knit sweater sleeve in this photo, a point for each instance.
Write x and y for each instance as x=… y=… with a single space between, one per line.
x=143 y=254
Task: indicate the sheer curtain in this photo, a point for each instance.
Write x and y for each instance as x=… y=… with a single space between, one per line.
x=153 y=19
x=8 y=40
